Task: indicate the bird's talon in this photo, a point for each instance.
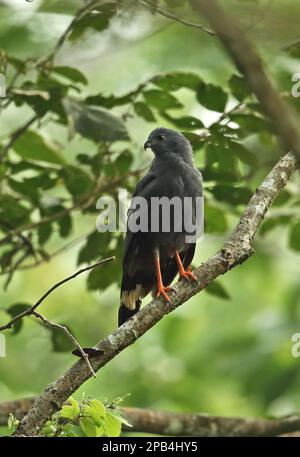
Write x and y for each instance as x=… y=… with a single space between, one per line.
x=188 y=274
x=163 y=291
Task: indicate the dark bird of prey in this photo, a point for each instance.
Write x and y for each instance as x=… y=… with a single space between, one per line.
x=153 y=258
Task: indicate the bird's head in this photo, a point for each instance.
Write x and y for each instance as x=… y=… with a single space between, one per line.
x=168 y=143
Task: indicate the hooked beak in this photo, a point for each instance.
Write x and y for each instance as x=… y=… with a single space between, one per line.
x=147 y=145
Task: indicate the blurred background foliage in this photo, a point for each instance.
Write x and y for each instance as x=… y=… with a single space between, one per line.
x=82 y=107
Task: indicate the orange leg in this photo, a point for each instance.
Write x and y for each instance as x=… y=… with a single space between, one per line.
x=161 y=289
x=182 y=272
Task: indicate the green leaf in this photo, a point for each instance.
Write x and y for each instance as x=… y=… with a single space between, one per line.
x=243 y=153
x=33 y=146
x=239 y=87
x=71 y=73
x=88 y=426
x=25 y=187
x=221 y=162
x=161 y=100
x=98 y=19
x=60 y=341
x=212 y=97
x=94 y=123
x=186 y=122
x=44 y=232
x=12 y=212
x=13 y=311
x=142 y=110
x=95 y=247
x=96 y=410
x=101 y=278
x=112 y=425
x=217 y=289
x=65 y=225
x=12 y=422
x=233 y=195
x=294 y=237
x=77 y=181
x=176 y=80
x=115 y=413
x=71 y=409
x=251 y=123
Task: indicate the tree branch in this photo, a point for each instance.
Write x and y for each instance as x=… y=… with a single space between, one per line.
x=32 y=312
x=174 y=17
x=180 y=424
x=16 y=134
x=52 y=324
x=236 y=250
x=250 y=65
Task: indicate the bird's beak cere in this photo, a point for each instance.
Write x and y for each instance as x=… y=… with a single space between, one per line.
x=147 y=145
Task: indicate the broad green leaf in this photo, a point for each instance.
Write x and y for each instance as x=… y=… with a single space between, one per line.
x=95 y=247
x=112 y=425
x=186 y=122
x=238 y=87
x=32 y=146
x=161 y=100
x=70 y=73
x=94 y=123
x=98 y=19
x=13 y=311
x=88 y=426
x=251 y=123
x=115 y=413
x=177 y=80
x=60 y=341
x=44 y=232
x=143 y=110
x=26 y=187
x=101 y=278
x=64 y=225
x=96 y=410
x=77 y=181
x=233 y=195
x=243 y=153
x=71 y=409
x=212 y=97
x=12 y=212
x=221 y=162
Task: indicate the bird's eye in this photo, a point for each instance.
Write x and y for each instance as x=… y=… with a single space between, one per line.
x=161 y=137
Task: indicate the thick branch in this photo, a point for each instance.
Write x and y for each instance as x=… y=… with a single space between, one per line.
x=180 y=424
x=235 y=251
x=249 y=64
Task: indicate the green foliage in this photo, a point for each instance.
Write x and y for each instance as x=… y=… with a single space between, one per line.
x=96 y=99
x=90 y=417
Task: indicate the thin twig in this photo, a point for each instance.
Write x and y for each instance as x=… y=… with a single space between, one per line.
x=174 y=17
x=52 y=324
x=49 y=291
x=17 y=133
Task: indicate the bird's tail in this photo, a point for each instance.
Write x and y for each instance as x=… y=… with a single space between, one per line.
x=125 y=313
